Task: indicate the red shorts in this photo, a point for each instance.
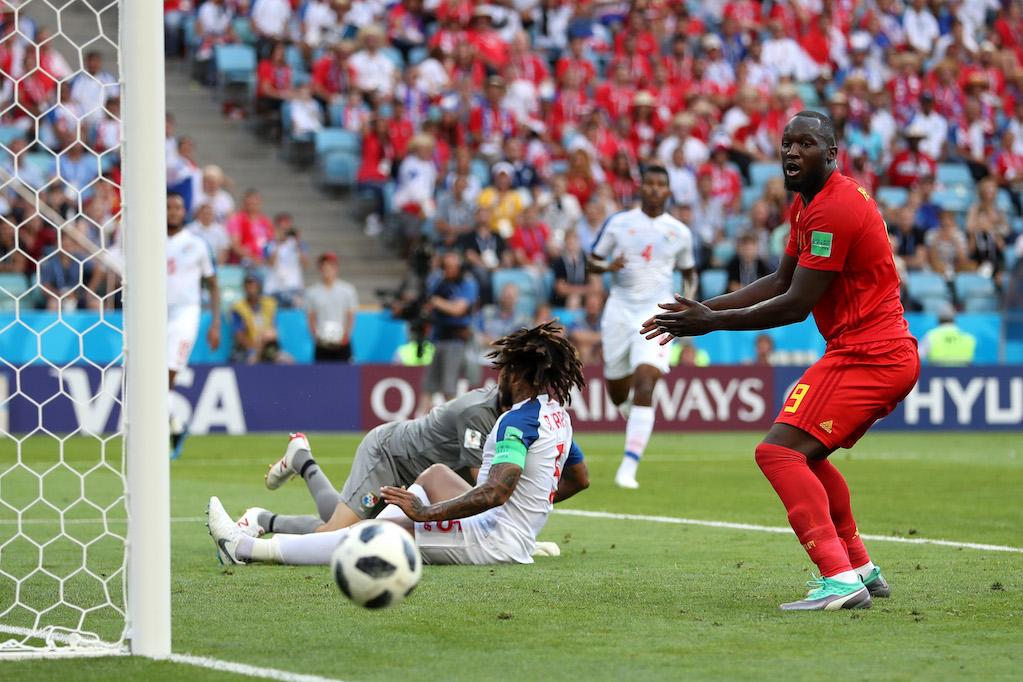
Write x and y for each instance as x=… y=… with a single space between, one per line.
x=845 y=392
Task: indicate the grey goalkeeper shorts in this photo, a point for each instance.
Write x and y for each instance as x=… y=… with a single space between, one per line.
x=374 y=466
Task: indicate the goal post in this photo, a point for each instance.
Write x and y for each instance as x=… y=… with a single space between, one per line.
x=84 y=494
x=143 y=155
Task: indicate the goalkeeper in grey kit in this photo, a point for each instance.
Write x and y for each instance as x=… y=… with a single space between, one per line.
x=394 y=454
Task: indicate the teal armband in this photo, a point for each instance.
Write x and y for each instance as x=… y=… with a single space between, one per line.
x=511 y=450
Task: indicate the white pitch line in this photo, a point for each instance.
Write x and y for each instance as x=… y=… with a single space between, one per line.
x=245 y=669
x=776 y=529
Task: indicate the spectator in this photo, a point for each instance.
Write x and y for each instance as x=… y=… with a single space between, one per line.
x=417 y=181
x=934 y=126
x=584 y=332
x=746 y=266
x=184 y=175
x=921 y=27
x=505 y=204
x=63 y=279
x=726 y=182
x=77 y=168
x=685 y=354
x=456 y=214
x=911 y=240
x=451 y=299
x=927 y=211
x=320 y=26
x=1007 y=169
x=286 y=256
x=947 y=248
x=215 y=195
x=708 y=224
x=463 y=167
x=763 y=348
x=332 y=75
x=681 y=179
x=331 y=304
x=948 y=345
x=529 y=241
x=254 y=325
x=579 y=176
x=623 y=180
x=273 y=86
x=589 y=224
x=551 y=22
x=375 y=170
x=861 y=169
x=500 y=319
x=91 y=89
x=269 y=20
x=911 y=164
x=485 y=251
x=250 y=231
x=524 y=174
x=206 y=226
x=373 y=71
x=490 y=123
x=571 y=282
x=973 y=135
x=212 y=28
x=306 y=114
x=987 y=230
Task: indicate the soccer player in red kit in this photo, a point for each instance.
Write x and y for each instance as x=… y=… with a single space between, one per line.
x=838 y=265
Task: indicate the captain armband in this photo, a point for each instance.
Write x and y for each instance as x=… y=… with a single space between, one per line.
x=511 y=450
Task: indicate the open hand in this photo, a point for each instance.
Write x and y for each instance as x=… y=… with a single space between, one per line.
x=617 y=264
x=683 y=317
x=404 y=500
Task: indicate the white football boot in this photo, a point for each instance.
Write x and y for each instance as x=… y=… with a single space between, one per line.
x=281 y=471
x=249 y=522
x=225 y=533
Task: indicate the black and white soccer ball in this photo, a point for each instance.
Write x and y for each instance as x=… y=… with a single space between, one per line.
x=377 y=565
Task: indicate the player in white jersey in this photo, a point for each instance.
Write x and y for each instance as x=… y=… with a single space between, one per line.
x=189 y=265
x=498 y=520
x=641 y=249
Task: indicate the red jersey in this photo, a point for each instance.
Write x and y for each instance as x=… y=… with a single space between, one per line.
x=842 y=231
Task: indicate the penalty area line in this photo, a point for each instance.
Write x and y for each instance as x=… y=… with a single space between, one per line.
x=777 y=529
x=245 y=669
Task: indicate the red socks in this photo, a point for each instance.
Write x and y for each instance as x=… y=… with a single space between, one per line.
x=806 y=498
x=841 y=510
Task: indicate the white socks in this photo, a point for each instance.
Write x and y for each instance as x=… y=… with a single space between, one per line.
x=314 y=549
x=846 y=577
x=638 y=430
x=865 y=570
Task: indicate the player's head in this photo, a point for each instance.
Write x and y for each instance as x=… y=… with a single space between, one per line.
x=808 y=151
x=655 y=189
x=538 y=360
x=175 y=211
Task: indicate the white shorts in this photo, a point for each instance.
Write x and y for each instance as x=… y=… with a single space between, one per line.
x=182 y=330
x=625 y=348
x=460 y=542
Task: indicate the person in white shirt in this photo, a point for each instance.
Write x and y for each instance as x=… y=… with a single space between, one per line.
x=306 y=113
x=694 y=150
x=286 y=257
x=934 y=125
x=374 y=71
x=641 y=248
x=92 y=89
x=417 y=177
x=331 y=305
x=783 y=54
x=319 y=25
x=214 y=193
x=189 y=266
x=498 y=520
x=269 y=19
x=921 y=27
x=682 y=180
x=206 y=226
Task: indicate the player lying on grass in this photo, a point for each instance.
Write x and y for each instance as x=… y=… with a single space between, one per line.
x=395 y=454
x=838 y=265
x=498 y=520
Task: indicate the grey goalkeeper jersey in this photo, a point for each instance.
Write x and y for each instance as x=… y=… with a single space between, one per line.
x=451 y=434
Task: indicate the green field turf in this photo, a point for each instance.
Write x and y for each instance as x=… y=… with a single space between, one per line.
x=628 y=599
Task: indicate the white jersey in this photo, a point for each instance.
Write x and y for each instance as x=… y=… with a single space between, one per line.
x=189 y=261
x=653 y=249
x=544 y=427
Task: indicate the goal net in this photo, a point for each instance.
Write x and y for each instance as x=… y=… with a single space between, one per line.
x=66 y=321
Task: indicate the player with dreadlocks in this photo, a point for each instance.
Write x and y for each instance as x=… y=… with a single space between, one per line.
x=497 y=521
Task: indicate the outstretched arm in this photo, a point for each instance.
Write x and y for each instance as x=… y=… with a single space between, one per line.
x=493 y=492
x=575 y=478
x=775 y=284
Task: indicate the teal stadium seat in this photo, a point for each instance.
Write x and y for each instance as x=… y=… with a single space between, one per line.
x=13 y=288
x=528 y=296
x=338 y=140
x=762 y=171
x=235 y=65
x=976 y=287
x=954 y=175
x=956 y=199
x=891 y=197
x=713 y=282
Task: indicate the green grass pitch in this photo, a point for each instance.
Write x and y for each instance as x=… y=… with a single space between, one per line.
x=628 y=599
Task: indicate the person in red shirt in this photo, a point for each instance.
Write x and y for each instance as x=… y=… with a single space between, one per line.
x=615 y=96
x=838 y=265
x=725 y=177
x=911 y=164
x=527 y=63
x=332 y=77
x=490 y=124
x=637 y=29
x=377 y=163
x=250 y=230
x=529 y=241
x=638 y=64
x=273 y=84
x=575 y=61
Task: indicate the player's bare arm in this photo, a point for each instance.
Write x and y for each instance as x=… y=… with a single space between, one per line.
x=493 y=492
x=574 y=479
x=600 y=266
x=692 y=318
x=213 y=333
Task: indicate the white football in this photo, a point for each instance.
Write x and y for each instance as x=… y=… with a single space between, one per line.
x=377 y=565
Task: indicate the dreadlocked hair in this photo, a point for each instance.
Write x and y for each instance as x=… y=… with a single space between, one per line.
x=542 y=357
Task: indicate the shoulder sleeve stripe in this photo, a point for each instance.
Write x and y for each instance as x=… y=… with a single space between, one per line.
x=575 y=455
x=602 y=228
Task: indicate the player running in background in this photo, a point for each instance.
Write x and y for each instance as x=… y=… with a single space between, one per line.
x=190 y=263
x=393 y=454
x=498 y=520
x=838 y=265
x=641 y=248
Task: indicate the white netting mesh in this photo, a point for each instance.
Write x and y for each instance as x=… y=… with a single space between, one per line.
x=62 y=484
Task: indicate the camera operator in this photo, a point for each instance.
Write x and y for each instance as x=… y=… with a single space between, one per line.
x=451 y=298
x=286 y=256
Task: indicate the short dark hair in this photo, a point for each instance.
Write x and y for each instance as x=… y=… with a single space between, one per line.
x=177 y=194
x=827 y=125
x=655 y=168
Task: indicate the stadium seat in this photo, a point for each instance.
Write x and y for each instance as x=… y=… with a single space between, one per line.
x=713 y=283
x=338 y=140
x=982 y=304
x=808 y=94
x=762 y=171
x=336 y=169
x=243 y=30
x=547 y=285
x=526 y=284
x=295 y=59
x=892 y=197
x=723 y=252
x=235 y=65
x=749 y=195
x=734 y=224
x=394 y=55
x=956 y=199
x=969 y=285
x=928 y=285
x=13 y=286
x=1003 y=201
x=9 y=134
x=417 y=55
x=481 y=171
x=954 y=175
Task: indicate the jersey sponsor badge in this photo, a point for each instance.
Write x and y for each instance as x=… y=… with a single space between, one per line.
x=820 y=244
x=369 y=500
x=473 y=439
